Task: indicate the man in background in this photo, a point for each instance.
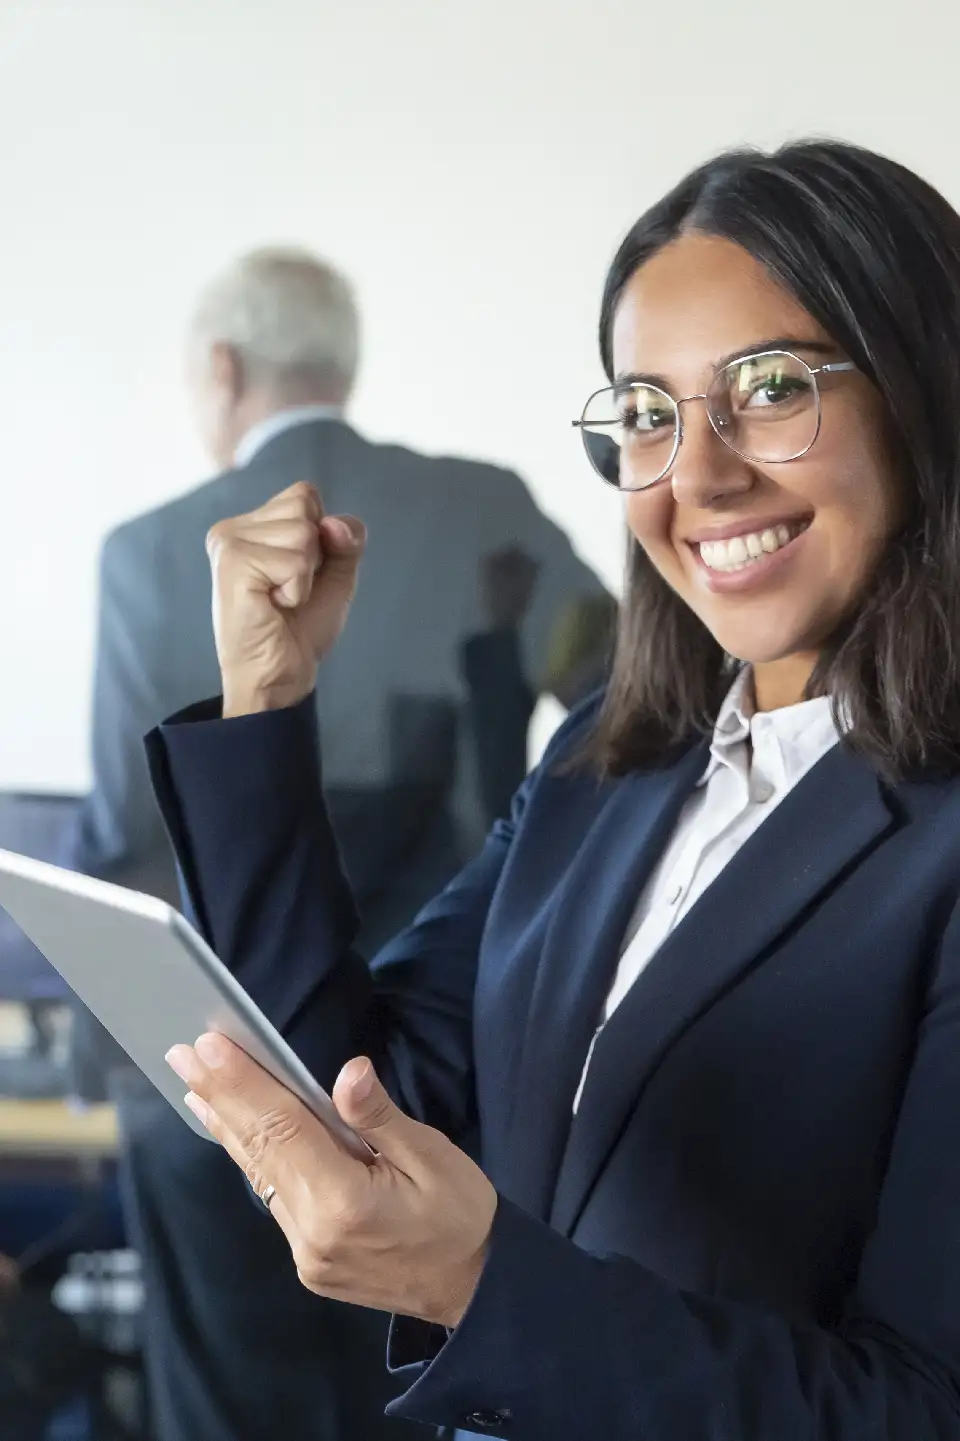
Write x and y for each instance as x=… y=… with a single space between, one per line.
x=423 y=711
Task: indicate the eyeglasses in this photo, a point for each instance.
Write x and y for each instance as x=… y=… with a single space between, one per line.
x=765 y=407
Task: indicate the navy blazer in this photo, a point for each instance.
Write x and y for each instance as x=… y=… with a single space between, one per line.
x=750 y=1231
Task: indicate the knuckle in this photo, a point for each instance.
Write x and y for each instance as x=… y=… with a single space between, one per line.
x=380 y=1113
x=251 y=1171
x=304 y=536
x=222 y=539
x=349 y=1211
x=304 y=492
x=271 y=1128
x=314 y=1268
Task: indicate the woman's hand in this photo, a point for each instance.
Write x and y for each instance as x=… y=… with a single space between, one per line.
x=406 y=1232
x=283 y=580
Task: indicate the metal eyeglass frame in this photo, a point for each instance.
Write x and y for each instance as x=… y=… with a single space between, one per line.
x=831 y=368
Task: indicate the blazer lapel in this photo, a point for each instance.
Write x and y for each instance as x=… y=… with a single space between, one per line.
x=819 y=830
x=575 y=968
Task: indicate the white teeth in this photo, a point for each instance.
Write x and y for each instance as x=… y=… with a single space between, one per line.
x=742 y=550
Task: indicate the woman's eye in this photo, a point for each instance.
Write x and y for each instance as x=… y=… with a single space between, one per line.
x=646 y=421
x=774 y=392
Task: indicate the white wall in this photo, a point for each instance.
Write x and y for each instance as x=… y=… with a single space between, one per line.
x=472 y=165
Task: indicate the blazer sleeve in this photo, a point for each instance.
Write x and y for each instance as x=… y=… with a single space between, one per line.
x=561 y=1343
x=264 y=883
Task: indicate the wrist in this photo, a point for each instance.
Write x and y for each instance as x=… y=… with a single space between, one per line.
x=466 y=1283
x=254 y=700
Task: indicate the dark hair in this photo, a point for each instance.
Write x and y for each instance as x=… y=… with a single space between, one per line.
x=872 y=252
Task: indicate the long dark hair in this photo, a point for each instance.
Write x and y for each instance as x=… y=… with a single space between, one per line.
x=872 y=252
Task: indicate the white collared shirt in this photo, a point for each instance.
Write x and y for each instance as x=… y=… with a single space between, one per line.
x=742 y=783
x=264 y=430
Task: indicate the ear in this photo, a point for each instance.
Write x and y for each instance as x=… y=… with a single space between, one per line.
x=226 y=370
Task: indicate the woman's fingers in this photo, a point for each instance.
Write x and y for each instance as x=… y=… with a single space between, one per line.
x=364 y=1104
x=289 y=532
x=270 y=569
x=273 y=1136
x=253 y=1172
x=300 y=499
x=407 y=1233
x=343 y=534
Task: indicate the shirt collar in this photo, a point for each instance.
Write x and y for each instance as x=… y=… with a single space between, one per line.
x=797 y=735
x=265 y=430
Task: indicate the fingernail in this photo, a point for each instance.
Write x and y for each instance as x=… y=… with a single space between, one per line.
x=212 y=1051
x=199 y=1108
x=363 y=1084
x=182 y=1062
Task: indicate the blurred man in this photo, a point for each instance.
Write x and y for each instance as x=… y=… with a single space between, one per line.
x=447 y=645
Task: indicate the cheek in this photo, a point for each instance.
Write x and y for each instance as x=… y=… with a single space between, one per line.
x=860 y=503
x=649 y=516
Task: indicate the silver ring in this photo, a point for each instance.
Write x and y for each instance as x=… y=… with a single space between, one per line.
x=268 y=1195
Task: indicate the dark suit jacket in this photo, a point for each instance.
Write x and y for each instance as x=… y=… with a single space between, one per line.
x=389 y=701
x=430 y=521
x=751 y=1229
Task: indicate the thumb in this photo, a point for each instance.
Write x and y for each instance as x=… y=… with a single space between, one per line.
x=342 y=542
x=343 y=538
x=363 y=1103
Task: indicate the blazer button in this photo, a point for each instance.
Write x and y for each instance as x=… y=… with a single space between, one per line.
x=486 y=1420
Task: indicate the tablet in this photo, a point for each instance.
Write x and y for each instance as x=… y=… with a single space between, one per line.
x=150 y=979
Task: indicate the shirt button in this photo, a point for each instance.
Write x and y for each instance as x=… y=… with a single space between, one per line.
x=485 y=1420
x=762 y=792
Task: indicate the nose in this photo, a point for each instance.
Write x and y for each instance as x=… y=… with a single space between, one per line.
x=707 y=473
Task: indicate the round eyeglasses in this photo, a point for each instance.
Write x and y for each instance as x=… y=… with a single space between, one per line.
x=765 y=407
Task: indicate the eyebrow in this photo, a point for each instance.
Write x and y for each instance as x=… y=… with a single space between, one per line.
x=759 y=347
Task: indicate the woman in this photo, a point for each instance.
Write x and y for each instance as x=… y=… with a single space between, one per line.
x=700 y=995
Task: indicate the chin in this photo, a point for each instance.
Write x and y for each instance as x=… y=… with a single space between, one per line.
x=754 y=650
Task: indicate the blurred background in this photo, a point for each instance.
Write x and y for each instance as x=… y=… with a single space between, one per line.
x=471 y=167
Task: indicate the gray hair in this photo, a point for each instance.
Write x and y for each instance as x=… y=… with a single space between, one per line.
x=291 y=317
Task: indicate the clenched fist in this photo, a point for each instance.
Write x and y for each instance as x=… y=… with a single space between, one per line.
x=283 y=580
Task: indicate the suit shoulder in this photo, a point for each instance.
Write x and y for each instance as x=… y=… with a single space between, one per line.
x=147 y=535
x=441 y=469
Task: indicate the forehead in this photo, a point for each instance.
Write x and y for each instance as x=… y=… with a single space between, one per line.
x=698 y=299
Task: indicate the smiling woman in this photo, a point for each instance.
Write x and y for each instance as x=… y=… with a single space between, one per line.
x=859 y=397
x=699 y=998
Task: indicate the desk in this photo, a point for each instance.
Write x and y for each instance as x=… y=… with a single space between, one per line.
x=52 y=1130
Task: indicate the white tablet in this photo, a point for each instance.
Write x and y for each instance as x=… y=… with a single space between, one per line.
x=150 y=979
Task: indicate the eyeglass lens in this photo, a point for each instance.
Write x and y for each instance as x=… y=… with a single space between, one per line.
x=764 y=407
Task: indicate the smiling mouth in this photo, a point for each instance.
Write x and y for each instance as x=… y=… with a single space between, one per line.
x=742 y=551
